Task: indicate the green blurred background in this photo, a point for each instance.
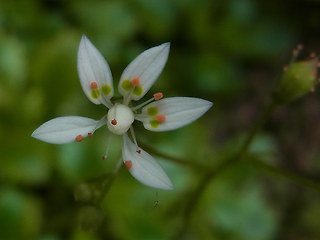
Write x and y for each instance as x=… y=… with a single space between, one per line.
x=230 y=52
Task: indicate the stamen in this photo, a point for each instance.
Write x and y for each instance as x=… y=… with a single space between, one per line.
x=96 y=94
x=105 y=101
x=312 y=55
x=133 y=136
x=135 y=140
x=128 y=164
x=101 y=122
x=90 y=135
x=114 y=122
x=104 y=157
x=161 y=118
x=93 y=85
x=78 y=138
x=158 y=96
x=127 y=98
x=296 y=51
x=135 y=82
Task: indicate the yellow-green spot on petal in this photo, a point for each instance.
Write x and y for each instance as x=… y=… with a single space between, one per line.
x=126 y=85
x=106 y=89
x=95 y=94
x=152 y=111
x=154 y=123
x=137 y=91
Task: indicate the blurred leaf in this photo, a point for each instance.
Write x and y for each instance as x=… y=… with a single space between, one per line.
x=245 y=215
x=53 y=69
x=156 y=17
x=13 y=63
x=109 y=19
x=215 y=75
x=20 y=215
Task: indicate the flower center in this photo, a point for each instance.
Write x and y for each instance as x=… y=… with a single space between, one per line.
x=120 y=118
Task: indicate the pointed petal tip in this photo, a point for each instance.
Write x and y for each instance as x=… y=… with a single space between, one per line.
x=35 y=133
x=83 y=42
x=166 y=44
x=169 y=187
x=210 y=103
x=164 y=186
x=84 y=37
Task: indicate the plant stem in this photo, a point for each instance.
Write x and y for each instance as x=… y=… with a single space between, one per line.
x=182 y=161
x=111 y=177
x=212 y=173
x=303 y=181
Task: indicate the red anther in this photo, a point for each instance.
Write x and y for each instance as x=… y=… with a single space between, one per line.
x=93 y=85
x=128 y=164
x=294 y=52
x=114 y=122
x=158 y=96
x=90 y=135
x=313 y=55
x=135 y=82
x=79 y=138
x=299 y=47
x=138 y=151
x=161 y=118
x=104 y=157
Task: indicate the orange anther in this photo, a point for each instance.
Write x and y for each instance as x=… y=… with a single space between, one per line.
x=161 y=118
x=114 y=122
x=135 y=82
x=90 y=135
x=79 y=138
x=138 y=151
x=313 y=55
x=128 y=164
x=158 y=96
x=93 y=85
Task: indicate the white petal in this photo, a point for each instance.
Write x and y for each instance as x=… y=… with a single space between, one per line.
x=92 y=67
x=178 y=112
x=147 y=67
x=65 y=129
x=143 y=167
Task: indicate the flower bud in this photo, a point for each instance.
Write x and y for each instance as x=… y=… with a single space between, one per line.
x=90 y=218
x=298 y=79
x=83 y=193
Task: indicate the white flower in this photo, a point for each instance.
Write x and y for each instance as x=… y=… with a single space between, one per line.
x=156 y=114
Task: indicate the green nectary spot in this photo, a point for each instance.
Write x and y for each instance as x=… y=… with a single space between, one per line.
x=95 y=94
x=137 y=91
x=154 y=123
x=152 y=111
x=126 y=85
x=106 y=89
